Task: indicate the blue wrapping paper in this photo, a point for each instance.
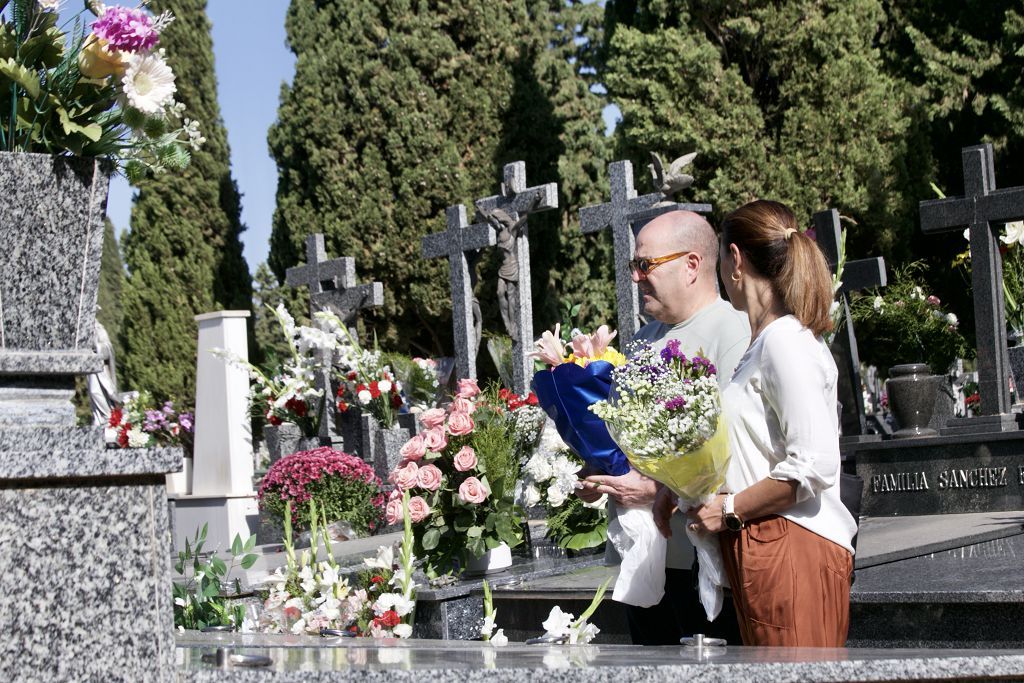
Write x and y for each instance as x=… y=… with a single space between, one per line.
x=565 y=393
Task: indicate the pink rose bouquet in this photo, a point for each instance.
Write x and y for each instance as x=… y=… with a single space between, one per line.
x=460 y=473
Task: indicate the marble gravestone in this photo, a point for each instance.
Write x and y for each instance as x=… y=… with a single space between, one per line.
x=85 y=590
x=625 y=215
x=221 y=493
x=332 y=285
x=459 y=243
x=508 y=212
x=857 y=275
x=982 y=209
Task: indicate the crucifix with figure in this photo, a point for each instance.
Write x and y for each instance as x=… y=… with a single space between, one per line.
x=507 y=213
x=454 y=243
x=982 y=210
x=857 y=275
x=332 y=285
x=626 y=214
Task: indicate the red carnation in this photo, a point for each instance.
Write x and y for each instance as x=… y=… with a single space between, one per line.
x=297 y=406
x=374 y=390
x=389 y=619
x=122 y=436
x=115 y=417
x=342 y=407
x=396 y=401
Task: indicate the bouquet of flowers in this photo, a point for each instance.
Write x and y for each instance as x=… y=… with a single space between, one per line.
x=419 y=380
x=549 y=479
x=136 y=423
x=309 y=595
x=460 y=475
x=666 y=417
x=289 y=393
x=338 y=485
x=109 y=93
x=526 y=419
x=908 y=325
x=571 y=384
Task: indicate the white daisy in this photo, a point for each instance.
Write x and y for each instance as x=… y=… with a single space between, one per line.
x=148 y=83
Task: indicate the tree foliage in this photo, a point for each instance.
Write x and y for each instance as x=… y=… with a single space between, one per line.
x=398 y=110
x=183 y=252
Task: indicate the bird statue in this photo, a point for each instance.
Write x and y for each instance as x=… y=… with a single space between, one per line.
x=672 y=181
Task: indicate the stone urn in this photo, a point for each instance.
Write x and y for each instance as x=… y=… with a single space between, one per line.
x=285 y=439
x=912 y=390
x=495 y=560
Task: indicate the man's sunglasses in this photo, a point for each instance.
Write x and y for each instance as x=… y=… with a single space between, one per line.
x=644 y=266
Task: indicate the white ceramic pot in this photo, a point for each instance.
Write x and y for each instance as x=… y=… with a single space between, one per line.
x=493 y=561
x=180 y=483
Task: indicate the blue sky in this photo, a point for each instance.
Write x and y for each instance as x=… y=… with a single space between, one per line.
x=252 y=62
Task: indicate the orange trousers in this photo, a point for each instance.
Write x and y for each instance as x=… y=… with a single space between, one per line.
x=791 y=587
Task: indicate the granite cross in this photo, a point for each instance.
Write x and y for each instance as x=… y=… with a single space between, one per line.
x=459 y=238
x=507 y=213
x=332 y=285
x=982 y=210
x=625 y=214
x=857 y=275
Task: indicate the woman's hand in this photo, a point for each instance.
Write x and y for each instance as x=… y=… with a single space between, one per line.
x=707 y=519
x=630 y=490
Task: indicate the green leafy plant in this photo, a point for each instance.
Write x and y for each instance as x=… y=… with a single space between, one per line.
x=108 y=93
x=199 y=598
x=576 y=526
x=905 y=324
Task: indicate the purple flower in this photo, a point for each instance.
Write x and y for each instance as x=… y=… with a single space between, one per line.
x=155 y=421
x=126 y=30
x=672 y=351
x=676 y=403
x=168 y=408
x=185 y=421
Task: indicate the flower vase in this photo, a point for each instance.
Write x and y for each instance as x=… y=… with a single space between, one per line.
x=387 y=449
x=495 y=560
x=285 y=439
x=912 y=393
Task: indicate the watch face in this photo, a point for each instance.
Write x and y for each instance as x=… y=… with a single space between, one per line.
x=733 y=522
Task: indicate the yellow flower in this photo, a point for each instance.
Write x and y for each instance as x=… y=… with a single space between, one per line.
x=610 y=355
x=96 y=60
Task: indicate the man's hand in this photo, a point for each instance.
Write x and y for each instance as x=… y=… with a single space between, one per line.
x=630 y=490
x=664 y=508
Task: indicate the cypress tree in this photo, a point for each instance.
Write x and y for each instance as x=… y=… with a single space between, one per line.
x=783 y=100
x=183 y=252
x=400 y=109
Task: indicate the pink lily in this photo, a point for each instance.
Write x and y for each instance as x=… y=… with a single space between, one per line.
x=601 y=339
x=549 y=348
x=582 y=346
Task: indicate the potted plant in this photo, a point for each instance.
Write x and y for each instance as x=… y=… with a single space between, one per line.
x=74 y=108
x=911 y=336
x=338 y=485
x=461 y=474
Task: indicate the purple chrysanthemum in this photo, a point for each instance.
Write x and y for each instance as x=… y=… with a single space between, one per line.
x=126 y=30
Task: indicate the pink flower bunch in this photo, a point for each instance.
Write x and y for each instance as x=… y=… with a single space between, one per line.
x=291 y=475
x=126 y=30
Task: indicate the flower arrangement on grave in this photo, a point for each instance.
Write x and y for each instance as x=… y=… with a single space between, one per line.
x=288 y=392
x=308 y=595
x=578 y=374
x=419 y=380
x=338 y=485
x=372 y=386
x=138 y=423
x=460 y=474
x=549 y=479
x=108 y=93
x=198 y=596
x=527 y=419
x=666 y=417
x=906 y=324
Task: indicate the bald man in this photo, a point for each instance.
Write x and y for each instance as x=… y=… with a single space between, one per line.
x=675 y=269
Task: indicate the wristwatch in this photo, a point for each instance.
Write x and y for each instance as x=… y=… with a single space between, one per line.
x=732 y=521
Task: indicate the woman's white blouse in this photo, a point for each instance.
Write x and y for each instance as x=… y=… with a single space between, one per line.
x=780 y=411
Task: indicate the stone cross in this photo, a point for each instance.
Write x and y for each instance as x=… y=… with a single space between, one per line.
x=982 y=210
x=459 y=238
x=625 y=214
x=507 y=213
x=857 y=275
x=332 y=285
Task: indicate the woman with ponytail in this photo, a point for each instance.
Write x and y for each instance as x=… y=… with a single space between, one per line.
x=785 y=534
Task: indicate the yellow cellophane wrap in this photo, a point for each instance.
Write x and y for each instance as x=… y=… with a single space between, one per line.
x=691 y=475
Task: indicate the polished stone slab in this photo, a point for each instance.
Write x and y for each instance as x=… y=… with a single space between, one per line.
x=296 y=658
x=888 y=539
x=55 y=463
x=942 y=475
